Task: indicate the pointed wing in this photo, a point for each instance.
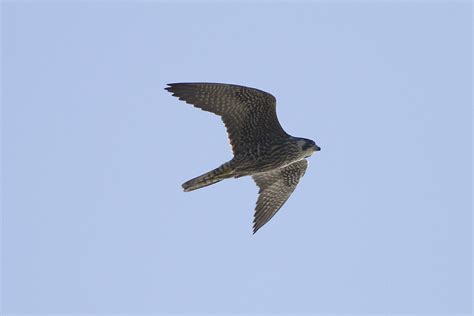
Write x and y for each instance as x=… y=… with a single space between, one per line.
x=248 y=114
x=276 y=187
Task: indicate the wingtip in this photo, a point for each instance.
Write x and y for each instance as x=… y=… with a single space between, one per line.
x=174 y=87
x=255 y=229
x=169 y=87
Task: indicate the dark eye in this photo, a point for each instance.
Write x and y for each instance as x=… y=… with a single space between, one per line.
x=307 y=145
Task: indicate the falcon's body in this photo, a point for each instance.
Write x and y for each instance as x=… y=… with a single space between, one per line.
x=275 y=160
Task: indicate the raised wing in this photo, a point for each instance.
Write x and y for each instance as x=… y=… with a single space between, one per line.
x=248 y=114
x=276 y=187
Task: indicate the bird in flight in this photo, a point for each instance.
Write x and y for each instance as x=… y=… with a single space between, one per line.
x=262 y=149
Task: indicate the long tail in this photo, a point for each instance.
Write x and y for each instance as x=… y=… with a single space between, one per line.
x=211 y=177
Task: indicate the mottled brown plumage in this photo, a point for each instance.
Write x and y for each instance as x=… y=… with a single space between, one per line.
x=276 y=187
x=261 y=147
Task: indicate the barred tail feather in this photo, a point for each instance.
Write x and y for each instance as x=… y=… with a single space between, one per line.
x=211 y=177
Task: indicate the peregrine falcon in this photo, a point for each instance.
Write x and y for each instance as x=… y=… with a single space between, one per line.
x=262 y=149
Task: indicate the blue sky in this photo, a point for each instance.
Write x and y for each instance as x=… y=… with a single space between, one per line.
x=94 y=152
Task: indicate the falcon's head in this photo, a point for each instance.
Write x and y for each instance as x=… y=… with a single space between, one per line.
x=307 y=146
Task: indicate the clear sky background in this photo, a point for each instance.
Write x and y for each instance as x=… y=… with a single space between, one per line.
x=94 y=153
